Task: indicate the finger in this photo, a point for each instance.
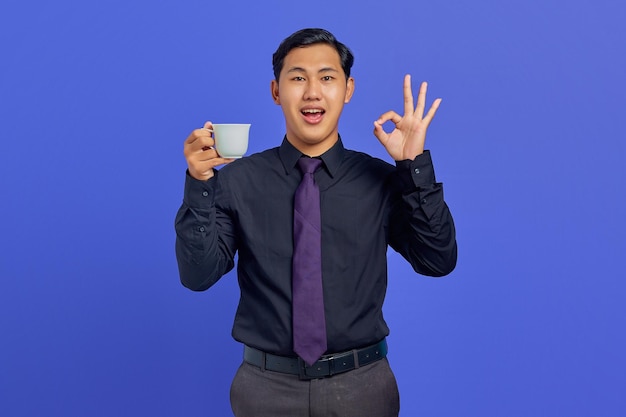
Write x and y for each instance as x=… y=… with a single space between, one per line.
x=199 y=138
x=200 y=144
x=421 y=100
x=408 y=95
x=206 y=154
x=205 y=131
x=223 y=161
x=389 y=116
x=432 y=111
x=210 y=154
x=197 y=134
x=200 y=150
x=208 y=126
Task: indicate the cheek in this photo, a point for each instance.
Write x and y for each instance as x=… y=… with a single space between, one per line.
x=340 y=97
x=289 y=99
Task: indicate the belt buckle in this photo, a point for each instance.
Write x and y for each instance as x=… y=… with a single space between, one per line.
x=320 y=369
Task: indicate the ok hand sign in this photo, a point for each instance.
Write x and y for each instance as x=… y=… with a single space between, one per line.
x=406 y=141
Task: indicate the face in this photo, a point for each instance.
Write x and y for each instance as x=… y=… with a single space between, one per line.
x=312 y=90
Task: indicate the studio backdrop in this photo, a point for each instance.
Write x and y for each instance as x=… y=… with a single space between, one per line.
x=96 y=99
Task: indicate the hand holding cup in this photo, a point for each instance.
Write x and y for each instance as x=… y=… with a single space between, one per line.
x=200 y=153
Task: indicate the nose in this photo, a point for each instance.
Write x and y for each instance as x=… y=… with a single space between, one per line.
x=312 y=90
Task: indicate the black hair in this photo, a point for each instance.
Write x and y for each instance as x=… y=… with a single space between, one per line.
x=306 y=37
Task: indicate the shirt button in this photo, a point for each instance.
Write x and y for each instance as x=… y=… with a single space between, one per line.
x=201 y=229
x=423 y=201
x=417 y=170
x=205 y=193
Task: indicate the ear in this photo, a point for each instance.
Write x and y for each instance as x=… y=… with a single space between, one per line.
x=274 y=88
x=349 y=90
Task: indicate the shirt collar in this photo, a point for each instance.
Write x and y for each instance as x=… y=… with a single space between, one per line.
x=289 y=156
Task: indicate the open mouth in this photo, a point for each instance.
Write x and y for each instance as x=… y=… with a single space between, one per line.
x=313 y=115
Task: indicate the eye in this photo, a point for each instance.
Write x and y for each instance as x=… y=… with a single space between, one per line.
x=327 y=78
x=298 y=78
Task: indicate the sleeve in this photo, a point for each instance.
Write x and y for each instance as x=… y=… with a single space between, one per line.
x=202 y=253
x=421 y=227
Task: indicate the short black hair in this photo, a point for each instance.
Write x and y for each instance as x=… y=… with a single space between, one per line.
x=311 y=36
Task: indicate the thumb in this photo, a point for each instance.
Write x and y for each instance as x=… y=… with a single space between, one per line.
x=208 y=125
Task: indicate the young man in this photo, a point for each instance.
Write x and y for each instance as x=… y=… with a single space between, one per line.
x=339 y=366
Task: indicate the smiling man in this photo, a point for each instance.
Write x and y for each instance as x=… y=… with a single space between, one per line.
x=311 y=222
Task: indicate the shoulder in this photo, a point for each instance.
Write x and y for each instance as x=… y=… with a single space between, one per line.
x=365 y=161
x=252 y=164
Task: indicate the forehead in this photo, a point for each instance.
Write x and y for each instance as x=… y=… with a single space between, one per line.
x=313 y=58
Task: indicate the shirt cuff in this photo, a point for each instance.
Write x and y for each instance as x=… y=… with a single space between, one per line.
x=199 y=194
x=418 y=172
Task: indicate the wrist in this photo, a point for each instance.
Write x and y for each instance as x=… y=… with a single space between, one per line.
x=204 y=176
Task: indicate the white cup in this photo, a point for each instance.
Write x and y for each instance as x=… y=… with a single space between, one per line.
x=231 y=140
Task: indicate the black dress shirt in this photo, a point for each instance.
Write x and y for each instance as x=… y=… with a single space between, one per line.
x=366 y=204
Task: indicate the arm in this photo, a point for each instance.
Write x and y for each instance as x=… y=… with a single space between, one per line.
x=203 y=251
x=421 y=226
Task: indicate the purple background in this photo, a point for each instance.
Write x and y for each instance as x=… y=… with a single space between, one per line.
x=96 y=99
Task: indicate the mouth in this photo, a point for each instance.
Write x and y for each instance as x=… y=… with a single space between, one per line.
x=313 y=115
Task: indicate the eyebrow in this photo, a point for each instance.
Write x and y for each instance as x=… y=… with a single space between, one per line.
x=300 y=69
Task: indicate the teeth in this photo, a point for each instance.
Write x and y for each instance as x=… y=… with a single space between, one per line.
x=311 y=111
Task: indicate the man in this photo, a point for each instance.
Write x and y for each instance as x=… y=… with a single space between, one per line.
x=366 y=204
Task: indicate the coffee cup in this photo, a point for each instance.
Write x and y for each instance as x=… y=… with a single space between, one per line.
x=231 y=139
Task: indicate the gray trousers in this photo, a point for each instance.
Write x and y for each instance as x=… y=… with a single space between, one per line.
x=368 y=391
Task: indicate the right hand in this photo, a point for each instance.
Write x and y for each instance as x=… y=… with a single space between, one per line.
x=201 y=155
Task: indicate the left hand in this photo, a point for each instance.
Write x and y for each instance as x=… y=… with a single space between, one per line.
x=407 y=140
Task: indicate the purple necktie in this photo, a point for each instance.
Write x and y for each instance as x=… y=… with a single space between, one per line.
x=309 y=324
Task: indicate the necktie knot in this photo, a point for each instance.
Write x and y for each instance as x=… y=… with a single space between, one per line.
x=309 y=165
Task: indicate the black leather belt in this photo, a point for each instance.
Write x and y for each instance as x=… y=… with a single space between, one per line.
x=328 y=365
